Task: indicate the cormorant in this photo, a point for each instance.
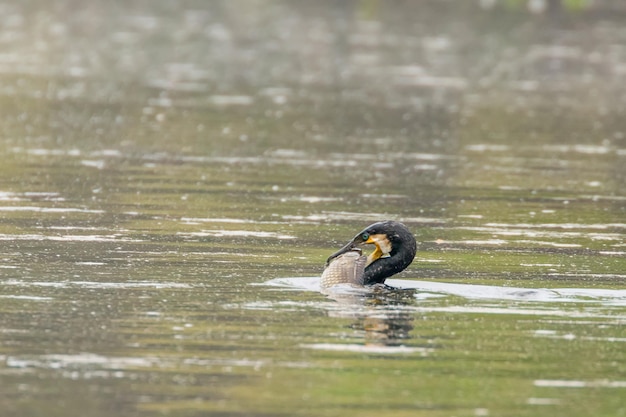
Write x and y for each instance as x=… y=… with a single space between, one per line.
x=395 y=250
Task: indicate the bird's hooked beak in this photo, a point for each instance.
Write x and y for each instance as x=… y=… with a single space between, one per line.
x=383 y=247
x=350 y=246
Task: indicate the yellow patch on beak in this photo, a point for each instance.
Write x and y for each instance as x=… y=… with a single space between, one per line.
x=383 y=247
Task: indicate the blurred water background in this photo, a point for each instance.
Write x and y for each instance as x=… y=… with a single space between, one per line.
x=173 y=176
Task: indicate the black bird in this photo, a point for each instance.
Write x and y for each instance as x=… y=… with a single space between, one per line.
x=395 y=250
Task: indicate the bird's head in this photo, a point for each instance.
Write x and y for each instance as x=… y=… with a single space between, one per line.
x=388 y=237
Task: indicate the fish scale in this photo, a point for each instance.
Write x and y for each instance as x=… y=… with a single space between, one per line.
x=345 y=269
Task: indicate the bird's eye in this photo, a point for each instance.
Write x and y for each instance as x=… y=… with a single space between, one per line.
x=365 y=236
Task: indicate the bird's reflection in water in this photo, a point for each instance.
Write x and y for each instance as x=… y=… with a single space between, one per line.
x=380 y=313
x=392 y=329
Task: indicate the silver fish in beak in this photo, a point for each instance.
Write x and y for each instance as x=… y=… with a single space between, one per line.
x=346 y=267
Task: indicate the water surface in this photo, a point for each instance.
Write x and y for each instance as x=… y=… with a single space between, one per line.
x=174 y=176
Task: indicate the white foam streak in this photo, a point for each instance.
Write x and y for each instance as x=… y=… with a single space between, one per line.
x=231 y=100
x=214 y=220
x=570 y=336
x=82 y=359
x=82 y=364
x=236 y=233
x=360 y=216
x=68 y=238
x=50 y=209
x=600 y=226
x=367 y=348
x=475 y=242
x=26 y=297
x=569 y=383
x=608 y=297
x=95 y=284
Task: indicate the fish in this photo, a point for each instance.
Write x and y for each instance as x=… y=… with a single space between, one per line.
x=347 y=268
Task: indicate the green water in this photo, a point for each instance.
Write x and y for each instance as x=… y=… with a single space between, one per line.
x=162 y=162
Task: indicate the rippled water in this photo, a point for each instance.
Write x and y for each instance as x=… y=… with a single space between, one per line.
x=174 y=176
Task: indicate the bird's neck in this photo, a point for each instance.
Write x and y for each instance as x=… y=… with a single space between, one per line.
x=381 y=268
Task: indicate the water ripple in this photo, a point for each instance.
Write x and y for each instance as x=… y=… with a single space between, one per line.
x=484 y=292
